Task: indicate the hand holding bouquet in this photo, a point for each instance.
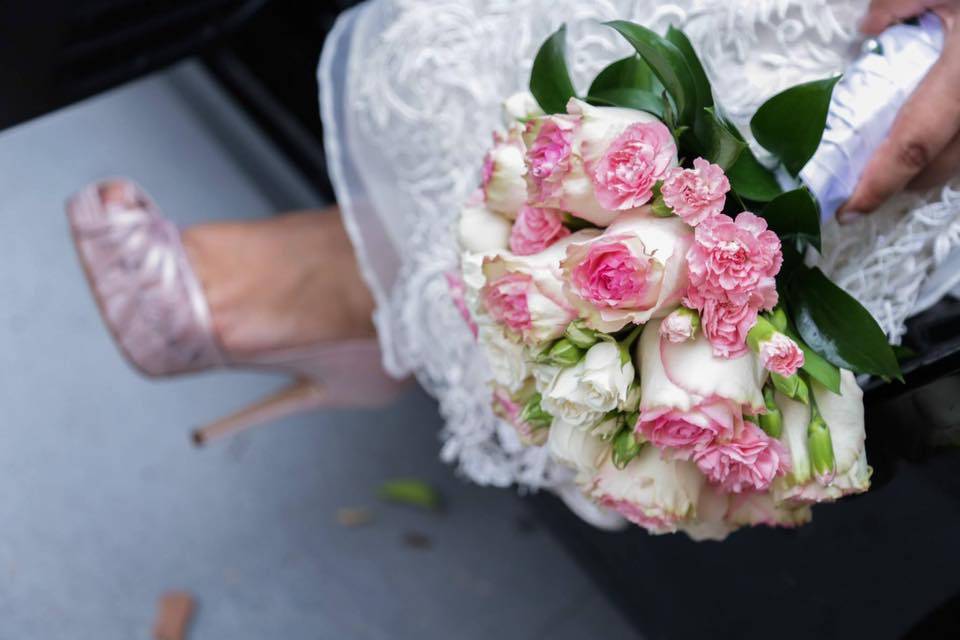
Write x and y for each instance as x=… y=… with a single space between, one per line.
x=639 y=282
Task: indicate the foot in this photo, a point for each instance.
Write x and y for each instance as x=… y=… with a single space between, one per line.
x=286 y=281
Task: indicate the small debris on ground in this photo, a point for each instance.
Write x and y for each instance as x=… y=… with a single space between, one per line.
x=173 y=615
x=412 y=492
x=417 y=540
x=354 y=516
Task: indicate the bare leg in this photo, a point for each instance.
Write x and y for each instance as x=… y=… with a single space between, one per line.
x=287 y=281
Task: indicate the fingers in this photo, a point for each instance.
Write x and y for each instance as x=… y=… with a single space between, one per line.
x=942 y=168
x=926 y=124
x=883 y=13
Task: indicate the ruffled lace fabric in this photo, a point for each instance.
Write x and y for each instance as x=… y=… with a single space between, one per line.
x=410 y=92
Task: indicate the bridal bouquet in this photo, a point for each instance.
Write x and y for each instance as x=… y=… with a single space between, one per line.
x=639 y=283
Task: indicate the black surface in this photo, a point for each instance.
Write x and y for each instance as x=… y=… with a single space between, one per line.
x=55 y=52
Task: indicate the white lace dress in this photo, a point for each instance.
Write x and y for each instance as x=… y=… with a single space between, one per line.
x=410 y=92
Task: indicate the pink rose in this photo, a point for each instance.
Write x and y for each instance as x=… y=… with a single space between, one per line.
x=781 y=355
x=726 y=324
x=548 y=155
x=635 y=270
x=682 y=433
x=535 y=229
x=525 y=294
x=636 y=159
x=736 y=260
x=657 y=494
x=696 y=194
x=680 y=325
x=506 y=301
x=563 y=153
x=458 y=294
x=750 y=461
x=612 y=275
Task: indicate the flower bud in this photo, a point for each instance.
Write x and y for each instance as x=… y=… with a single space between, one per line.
x=681 y=325
x=533 y=414
x=578 y=333
x=625 y=448
x=762 y=331
x=791 y=386
x=632 y=403
x=820 y=446
x=564 y=353
x=772 y=421
x=610 y=426
x=658 y=207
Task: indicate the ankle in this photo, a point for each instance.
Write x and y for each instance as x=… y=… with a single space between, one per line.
x=288 y=281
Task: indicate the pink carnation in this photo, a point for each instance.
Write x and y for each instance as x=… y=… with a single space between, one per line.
x=696 y=194
x=612 y=276
x=457 y=293
x=749 y=462
x=735 y=260
x=639 y=157
x=535 y=229
x=548 y=156
x=781 y=355
x=683 y=433
x=506 y=301
x=725 y=325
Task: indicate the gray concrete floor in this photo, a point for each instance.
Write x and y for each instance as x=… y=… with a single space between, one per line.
x=104 y=504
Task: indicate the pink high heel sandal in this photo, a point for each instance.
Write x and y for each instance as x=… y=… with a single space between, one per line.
x=155 y=308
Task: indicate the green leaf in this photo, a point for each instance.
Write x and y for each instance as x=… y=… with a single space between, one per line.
x=816 y=366
x=717 y=144
x=412 y=492
x=628 y=73
x=795 y=215
x=837 y=327
x=630 y=98
x=666 y=62
x=550 y=80
x=790 y=124
x=701 y=83
x=751 y=180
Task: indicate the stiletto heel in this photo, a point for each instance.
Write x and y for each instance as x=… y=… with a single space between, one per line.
x=303 y=395
x=154 y=306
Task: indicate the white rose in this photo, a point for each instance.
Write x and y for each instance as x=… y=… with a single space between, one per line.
x=575 y=448
x=843 y=414
x=520 y=106
x=507 y=359
x=656 y=249
x=525 y=293
x=654 y=493
x=606 y=380
x=564 y=398
x=584 y=393
x=504 y=185
x=481 y=230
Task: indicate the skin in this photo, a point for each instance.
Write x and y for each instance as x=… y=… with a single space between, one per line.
x=287 y=281
x=923 y=147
